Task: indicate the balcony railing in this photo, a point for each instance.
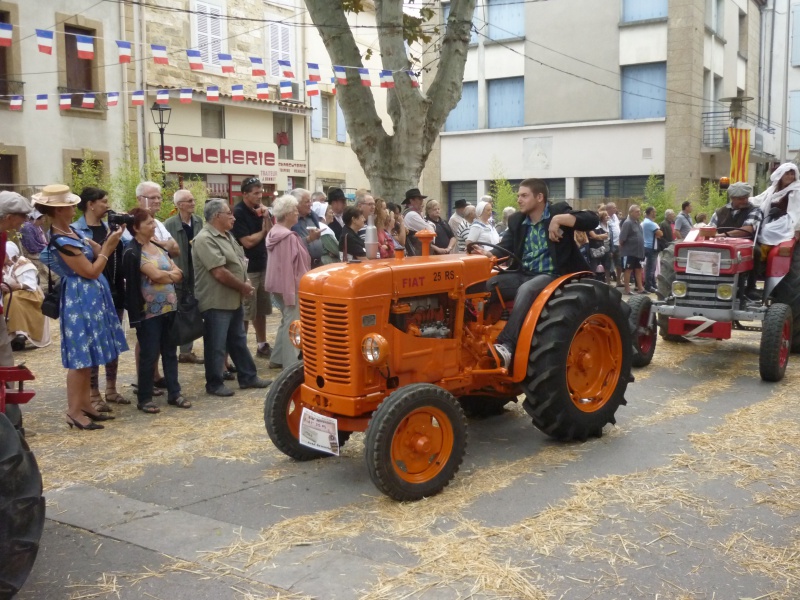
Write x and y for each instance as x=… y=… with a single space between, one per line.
x=10 y=88
x=100 y=102
x=715 y=127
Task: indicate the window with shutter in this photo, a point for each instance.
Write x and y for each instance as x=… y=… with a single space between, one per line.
x=325 y=114
x=506 y=99
x=644 y=91
x=464 y=117
x=794 y=120
x=279 y=47
x=316 y=117
x=506 y=19
x=341 y=126
x=209 y=31
x=641 y=10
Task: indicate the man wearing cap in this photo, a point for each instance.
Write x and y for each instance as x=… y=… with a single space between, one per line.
x=458 y=220
x=14 y=211
x=337 y=202
x=413 y=215
x=739 y=212
x=253 y=222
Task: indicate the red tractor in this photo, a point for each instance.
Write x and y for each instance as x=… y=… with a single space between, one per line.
x=22 y=506
x=703 y=287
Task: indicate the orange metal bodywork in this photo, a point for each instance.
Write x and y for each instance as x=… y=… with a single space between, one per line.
x=342 y=303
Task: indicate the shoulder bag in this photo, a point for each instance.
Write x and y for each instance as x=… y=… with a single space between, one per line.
x=187 y=325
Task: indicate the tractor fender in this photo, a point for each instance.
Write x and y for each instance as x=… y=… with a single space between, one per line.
x=779 y=263
x=529 y=325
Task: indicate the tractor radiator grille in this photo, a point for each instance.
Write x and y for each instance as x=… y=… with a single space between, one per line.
x=701 y=291
x=326 y=340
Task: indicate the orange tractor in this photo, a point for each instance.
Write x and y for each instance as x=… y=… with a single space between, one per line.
x=400 y=348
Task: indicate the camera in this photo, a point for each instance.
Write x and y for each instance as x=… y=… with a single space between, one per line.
x=116 y=219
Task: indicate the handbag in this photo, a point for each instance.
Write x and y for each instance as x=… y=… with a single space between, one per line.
x=187 y=325
x=51 y=305
x=598 y=252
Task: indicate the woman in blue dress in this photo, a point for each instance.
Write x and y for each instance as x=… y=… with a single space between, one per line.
x=91 y=334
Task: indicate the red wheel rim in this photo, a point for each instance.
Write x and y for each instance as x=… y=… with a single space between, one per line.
x=646 y=334
x=786 y=343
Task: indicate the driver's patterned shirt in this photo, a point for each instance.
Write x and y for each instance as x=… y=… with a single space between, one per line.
x=536 y=251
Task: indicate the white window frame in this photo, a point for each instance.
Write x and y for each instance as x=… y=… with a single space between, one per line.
x=213 y=64
x=273 y=73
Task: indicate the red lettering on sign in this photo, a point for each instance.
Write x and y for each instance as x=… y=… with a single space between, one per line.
x=196 y=157
x=224 y=156
x=167 y=152
x=181 y=154
x=238 y=157
x=211 y=156
x=250 y=157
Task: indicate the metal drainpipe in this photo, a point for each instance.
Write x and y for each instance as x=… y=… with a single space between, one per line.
x=785 y=96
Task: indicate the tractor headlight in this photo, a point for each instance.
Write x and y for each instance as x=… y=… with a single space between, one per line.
x=724 y=291
x=679 y=289
x=294 y=334
x=375 y=349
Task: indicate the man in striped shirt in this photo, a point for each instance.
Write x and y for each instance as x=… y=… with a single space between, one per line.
x=541 y=234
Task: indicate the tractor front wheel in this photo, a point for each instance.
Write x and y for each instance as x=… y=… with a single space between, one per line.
x=580 y=362
x=643 y=330
x=776 y=342
x=282 y=412
x=415 y=442
x=21 y=509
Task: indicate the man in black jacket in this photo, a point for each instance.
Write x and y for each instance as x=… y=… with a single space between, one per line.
x=542 y=235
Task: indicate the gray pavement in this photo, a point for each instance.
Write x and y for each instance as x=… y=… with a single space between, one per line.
x=693 y=495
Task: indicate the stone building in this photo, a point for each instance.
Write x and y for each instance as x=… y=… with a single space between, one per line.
x=595 y=106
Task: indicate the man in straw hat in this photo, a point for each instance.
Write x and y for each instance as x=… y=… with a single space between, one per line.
x=14 y=211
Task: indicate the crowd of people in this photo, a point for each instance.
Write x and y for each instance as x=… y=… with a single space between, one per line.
x=234 y=265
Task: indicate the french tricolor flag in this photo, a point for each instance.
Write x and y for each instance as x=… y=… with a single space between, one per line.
x=312 y=88
x=45 y=40
x=88 y=101
x=162 y=96
x=387 y=81
x=159 y=54
x=364 y=74
x=226 y=62
x=262 y=91
x=212 y=93
x=195 y=61
x=85 y=46
x=286 y=89
x=16 y=103
x=333 y=85
x=112 y=98
x=186 y=95
x=414 y=80
x=313 y=72
x=124 y=49
x=41 y=101
x=65 y=101
x=137 y=99
x=6 y=31
x=341 y=75
x=258 y=66
x=286 y=68
x=237 y=91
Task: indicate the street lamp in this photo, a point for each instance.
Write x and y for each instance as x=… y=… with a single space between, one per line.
x=161 y=113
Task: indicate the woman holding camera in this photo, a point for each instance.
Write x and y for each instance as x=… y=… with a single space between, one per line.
x=94 y=206
x=91 y=334
x=151 y=301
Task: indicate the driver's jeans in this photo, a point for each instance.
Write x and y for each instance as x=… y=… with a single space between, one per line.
x=523 y=289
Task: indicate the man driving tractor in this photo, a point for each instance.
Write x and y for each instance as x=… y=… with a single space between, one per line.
x=541 y=234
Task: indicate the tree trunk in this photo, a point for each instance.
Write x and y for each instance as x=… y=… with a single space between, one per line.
x=394 y=162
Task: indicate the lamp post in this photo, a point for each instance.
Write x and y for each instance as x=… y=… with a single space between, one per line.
x=161 y=114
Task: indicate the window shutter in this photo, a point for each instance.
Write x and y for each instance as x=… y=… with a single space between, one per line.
x=215 y=33
x=341 y=126
x=640 y=10
x=316 y=117
x=506 y=102
x=506 y=19
x=279 y=47
x=201 y=18
x=794 y=120
x=796 y=35
x=464 y=117
x=208 y=19
x=644 y=93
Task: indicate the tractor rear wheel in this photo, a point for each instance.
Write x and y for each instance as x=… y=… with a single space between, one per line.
x=643 y=330
x=21 y=509
x=282 y=412
x=415 y=442
x=776 y=342
x=788 y=292
x=580 y=361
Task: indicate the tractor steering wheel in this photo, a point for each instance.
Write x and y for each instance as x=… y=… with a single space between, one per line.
x=509 y=257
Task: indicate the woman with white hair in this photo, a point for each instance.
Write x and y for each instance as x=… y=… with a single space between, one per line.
x=481 y=230
x=330 y=245
x=502 y=226
x=22 y=301
x=288 y=261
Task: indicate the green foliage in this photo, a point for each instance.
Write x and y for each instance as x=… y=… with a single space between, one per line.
x=655 y=194
x=501 y=190
x=709 y=200
x=88 y=172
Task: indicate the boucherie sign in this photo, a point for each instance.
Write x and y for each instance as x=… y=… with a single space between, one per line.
x=186 y=154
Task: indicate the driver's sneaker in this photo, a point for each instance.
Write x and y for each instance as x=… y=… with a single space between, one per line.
x=504 y=354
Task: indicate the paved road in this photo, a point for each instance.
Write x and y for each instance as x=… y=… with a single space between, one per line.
x=693 y=495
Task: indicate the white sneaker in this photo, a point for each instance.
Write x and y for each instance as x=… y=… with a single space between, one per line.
x=504 y=354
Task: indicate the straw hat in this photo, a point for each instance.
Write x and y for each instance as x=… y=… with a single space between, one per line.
x=56 y=195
